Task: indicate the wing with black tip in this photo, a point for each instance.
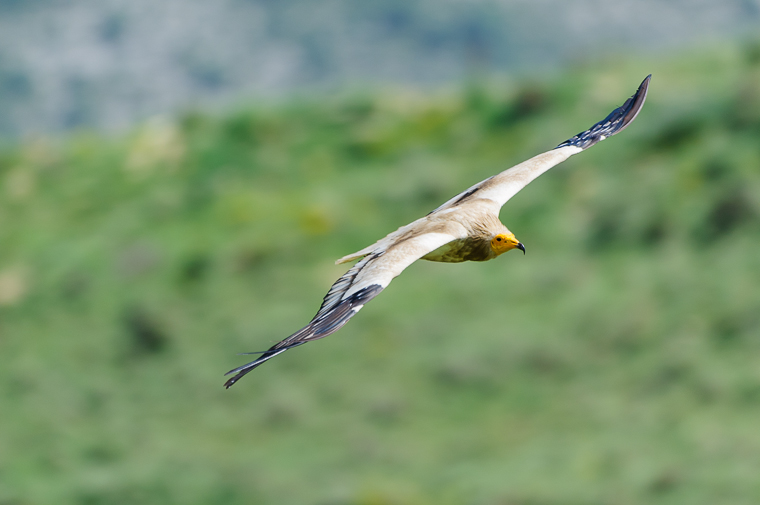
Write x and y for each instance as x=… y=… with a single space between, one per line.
x=503 y=186
x=359 y=285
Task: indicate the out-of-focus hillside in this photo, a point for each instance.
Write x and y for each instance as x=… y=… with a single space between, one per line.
x=617 y=362
x=107 y=64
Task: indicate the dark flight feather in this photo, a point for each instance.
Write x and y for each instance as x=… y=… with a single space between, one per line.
x=324 y=323
x=614 y=123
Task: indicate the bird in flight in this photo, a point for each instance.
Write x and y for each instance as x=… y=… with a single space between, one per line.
x=465 y=228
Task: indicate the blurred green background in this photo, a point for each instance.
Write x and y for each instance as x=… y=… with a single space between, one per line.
x=618 y=362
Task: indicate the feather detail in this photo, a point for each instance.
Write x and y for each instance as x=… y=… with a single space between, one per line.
x=321 y=326
x=615 y=122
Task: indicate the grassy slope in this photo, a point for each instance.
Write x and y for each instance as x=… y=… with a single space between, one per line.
x=617 y=362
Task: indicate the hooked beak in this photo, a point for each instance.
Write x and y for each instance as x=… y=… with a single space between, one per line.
x=521 y=247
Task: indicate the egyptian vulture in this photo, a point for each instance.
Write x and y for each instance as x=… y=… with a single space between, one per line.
x=465 y=228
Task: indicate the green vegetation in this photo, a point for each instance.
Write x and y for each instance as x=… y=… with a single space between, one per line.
x=618 y=362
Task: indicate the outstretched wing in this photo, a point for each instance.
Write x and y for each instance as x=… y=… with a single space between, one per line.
x=501 y=187
x=356 y=287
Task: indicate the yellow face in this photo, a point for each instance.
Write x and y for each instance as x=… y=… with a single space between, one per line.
x=504 y=242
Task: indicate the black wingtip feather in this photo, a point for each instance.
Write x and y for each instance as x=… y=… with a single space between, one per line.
x=322 y=325
x=614 y=123
x=243 y=370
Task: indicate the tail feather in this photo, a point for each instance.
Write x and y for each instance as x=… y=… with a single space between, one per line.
x=355 y=256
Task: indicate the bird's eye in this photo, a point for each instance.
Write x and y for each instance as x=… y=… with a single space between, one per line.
x=498 y=239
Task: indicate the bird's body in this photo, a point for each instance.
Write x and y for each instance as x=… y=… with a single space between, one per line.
x=465 y=228
x=468 y=231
